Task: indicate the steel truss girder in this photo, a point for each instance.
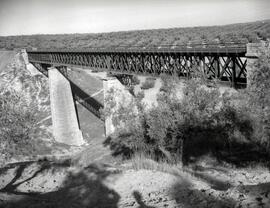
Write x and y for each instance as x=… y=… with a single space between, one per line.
x=225 y=67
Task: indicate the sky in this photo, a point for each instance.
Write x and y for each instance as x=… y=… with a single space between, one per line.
x=22 y=17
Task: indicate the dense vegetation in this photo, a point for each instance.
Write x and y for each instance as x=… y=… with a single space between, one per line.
x=231 y=127
x=246 y=32
x=17 y=125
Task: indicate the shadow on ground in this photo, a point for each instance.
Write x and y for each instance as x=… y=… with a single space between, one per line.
x=191 y=198
x=139 y=199
x=244 y=196
x=238 y=153
x=82 y=188
x=219 y=194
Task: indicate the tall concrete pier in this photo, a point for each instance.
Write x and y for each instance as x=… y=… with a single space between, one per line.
x=65 y=123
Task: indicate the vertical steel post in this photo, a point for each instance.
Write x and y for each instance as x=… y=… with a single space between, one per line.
x=233 y=84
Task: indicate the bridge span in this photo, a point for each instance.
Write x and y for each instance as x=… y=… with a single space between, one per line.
x=226 y=62
x=230 y=62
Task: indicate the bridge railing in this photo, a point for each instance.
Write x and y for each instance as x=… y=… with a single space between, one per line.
x=228 y=47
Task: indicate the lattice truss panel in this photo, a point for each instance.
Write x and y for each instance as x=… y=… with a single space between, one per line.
x=225 y=67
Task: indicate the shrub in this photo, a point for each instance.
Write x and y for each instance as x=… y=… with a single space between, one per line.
x=110 y=74
x=149 y=83
x=168 y=83
x=135 y=80
x=140 y=95
x=203 y=122
x=173 y=120
x=95 y=70
x=16 y=126
x=131 y=89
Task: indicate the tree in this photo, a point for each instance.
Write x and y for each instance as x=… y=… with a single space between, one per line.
x=16 y=126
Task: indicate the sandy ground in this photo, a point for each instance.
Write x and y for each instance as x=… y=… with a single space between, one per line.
x=60 y=184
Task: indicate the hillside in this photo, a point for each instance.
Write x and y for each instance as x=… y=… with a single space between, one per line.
x=15 y=76
x=244 y=32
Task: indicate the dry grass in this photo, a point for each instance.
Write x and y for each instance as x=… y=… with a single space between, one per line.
x=142 y=161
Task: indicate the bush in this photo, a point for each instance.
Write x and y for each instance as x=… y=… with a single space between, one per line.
x=131 y=89
x=140 y=95
x=94 y=70
x=16 y=126
x=110 y=74
x=173 y=121
x=168 y=83
x=135 y=80
x=149 y=83
x=203 y=122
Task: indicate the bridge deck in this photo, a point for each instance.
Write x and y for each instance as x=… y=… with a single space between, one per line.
x=183 y=49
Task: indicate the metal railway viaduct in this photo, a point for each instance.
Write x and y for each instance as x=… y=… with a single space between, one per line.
x=226 y=62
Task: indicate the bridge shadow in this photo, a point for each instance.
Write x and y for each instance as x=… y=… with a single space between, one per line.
x=90 y=103
x=83 y=188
